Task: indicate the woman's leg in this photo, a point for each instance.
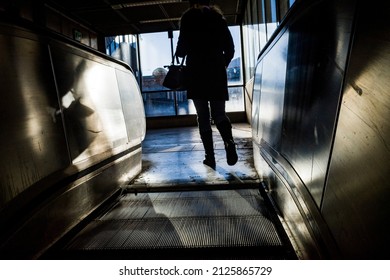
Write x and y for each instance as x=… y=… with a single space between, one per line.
x=225 y=129
x=206 y=134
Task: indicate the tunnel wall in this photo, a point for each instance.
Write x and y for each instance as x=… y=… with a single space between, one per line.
x=355 y=203
x=320 y=136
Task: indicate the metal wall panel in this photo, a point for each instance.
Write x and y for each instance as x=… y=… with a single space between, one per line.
x=66 y=210
x=68 y=140
x=31 y=134
x=297 y=121
x=316 y=62
x=356 y=201
x=273 y=79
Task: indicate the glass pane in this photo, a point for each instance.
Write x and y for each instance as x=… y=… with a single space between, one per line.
x=159 y=104
x=271 y=27
x=184 y=106
x=155 y=53
x=262 y=26
x=234 y=69
x=236 y=100
x=263 y=35
x=274 y=11
x=272 y=20
x=247 y=43
x=124 y=48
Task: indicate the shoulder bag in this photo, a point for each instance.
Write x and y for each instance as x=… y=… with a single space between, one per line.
x=176 y=78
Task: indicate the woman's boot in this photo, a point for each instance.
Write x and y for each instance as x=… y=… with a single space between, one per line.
x=207 y=140
x=225 y=129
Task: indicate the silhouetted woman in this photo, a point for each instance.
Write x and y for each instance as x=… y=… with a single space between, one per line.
x=206 y=42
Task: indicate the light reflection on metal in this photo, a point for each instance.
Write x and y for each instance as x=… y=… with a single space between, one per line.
x=159 y=20
x=143 y=4
x=295 y=111
x=67 y=99
x=63 y=113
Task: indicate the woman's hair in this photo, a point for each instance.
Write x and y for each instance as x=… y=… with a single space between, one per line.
x=199 y=3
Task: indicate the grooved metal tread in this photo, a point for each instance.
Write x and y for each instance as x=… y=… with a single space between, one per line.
x=182 y=220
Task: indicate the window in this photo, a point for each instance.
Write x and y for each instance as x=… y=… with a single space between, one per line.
x=234 y=69
x=155 y=53
x=156 y=50
x=124 y=48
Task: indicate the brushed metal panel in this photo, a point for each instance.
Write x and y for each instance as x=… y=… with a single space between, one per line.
x=90 y=102
x=317 y=56
x=32 y=136
x=294 y=151
x=132 y=106
x=271 y=104
x=356 y=201
x=43 y=193
x=68 y=208
x=293 y=221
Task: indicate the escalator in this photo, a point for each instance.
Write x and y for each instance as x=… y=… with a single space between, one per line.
x=211 y=218
x=71 y=181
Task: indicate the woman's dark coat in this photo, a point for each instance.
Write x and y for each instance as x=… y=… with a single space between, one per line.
x=206 y=41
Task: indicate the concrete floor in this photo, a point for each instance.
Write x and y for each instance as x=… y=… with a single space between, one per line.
x=173 y=159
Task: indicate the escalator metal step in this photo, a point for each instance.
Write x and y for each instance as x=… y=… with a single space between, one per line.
x=190 y=232
x=179 y=221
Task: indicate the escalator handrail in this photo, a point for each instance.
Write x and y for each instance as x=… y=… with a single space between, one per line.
x=52 y=35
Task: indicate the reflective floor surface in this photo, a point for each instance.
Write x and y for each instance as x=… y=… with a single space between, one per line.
x=172 y=158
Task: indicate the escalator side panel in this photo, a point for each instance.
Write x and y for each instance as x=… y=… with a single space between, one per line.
x=294 y=161
x=67 y=142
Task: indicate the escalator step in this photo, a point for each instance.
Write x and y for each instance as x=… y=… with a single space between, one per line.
x=183 y=224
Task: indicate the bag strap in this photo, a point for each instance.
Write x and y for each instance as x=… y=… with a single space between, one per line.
x=177 y=60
